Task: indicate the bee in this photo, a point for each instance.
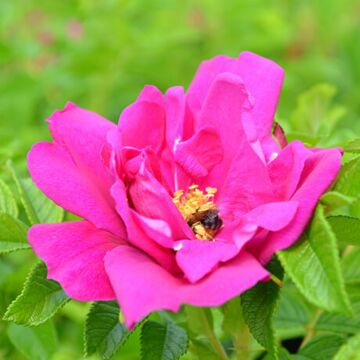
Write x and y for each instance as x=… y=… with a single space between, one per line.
x=205 y=223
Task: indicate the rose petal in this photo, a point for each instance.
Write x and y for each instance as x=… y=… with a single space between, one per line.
x=74 y=255
x=54 y=171
x=319 y=172
x=142 y=286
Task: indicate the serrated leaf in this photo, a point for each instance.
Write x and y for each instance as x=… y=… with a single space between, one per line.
x=103 y=331
x=314 y=113
x=348 y=180
x=39 y=300
x=203 y=349
x=38 y=208
x=350 y=265
x=350 y=350
x=12 y=234
x=259 y=305
x=7 y=200
x=314 y=266
x=35 y=343
x=197 y=319
x=340 y=323
x=346 y=229
x=233 y=319
x=352 y=146
x=334 y=201
x=321 y=347
x=162 y=341
x=292 y=314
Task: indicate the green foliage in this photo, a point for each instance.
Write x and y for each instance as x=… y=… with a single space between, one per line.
x=350 y=350
x=39 y=208
x=321 y=347
x=12 y=234
x=313 y=264
x=259 y=305
x=104 y=333
x=314 y=114
x=346 y=229
x=7 y=201
x=39 y=300
x=100 y=55
x=36 y=343
x=162 y=341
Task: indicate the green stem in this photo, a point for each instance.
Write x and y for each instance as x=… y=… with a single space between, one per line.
x=242 y=343
x=209 y=332
x=311 y=328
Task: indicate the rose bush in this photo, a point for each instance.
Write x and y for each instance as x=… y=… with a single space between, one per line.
x=141 y=186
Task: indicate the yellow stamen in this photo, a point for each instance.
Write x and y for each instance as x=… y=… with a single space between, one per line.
x=193 y=202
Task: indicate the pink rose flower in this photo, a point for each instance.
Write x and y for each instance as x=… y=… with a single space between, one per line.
x=185 y=200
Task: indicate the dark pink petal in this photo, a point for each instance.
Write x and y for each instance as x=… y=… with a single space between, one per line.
x=83 y=134
x=319 y=172
x=142 y=125
x=135 y=230
x=54 y=171
x=197 y=258
x=273 y=216
x=198 y=155
x=208 y=71
x=263 y=79
x=286 y=169
x=74 y=255
x=223 y=109
x=246 y=184
x=150 y=199
x=142 y=286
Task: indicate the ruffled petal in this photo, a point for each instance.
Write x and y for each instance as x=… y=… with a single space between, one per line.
x=286 y=169
x=319 y=172
x=197 y=258
x=74 y=255
x=198 y=155
x=136 y=235
x=142 y=125
x=246 y=184
x=83 y=134
x=142 y=286
x=55 y=172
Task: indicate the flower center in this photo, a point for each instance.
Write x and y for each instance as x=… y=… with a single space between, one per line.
x=199 y=211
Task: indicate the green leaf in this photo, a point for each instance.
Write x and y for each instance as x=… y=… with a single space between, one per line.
x=293 y=314
x=352 y=146
x=233 y=319
x=162 y=341
x=346 y=229
x=39 y=300
x=348 y=180
x=335 y=201
x=350 y=265
x=350 y=350
x=38 y=208
x=321 y=347
x=340 y=323
x=314 y=113
x=198 y=320
x=314 y=266
x=35 y=343
x=259 y=305
x=12 y=234
x=104 y=333
x=7 y=201
x=203 y=349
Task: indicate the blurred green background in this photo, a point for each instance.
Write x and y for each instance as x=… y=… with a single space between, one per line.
x=99 y=54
